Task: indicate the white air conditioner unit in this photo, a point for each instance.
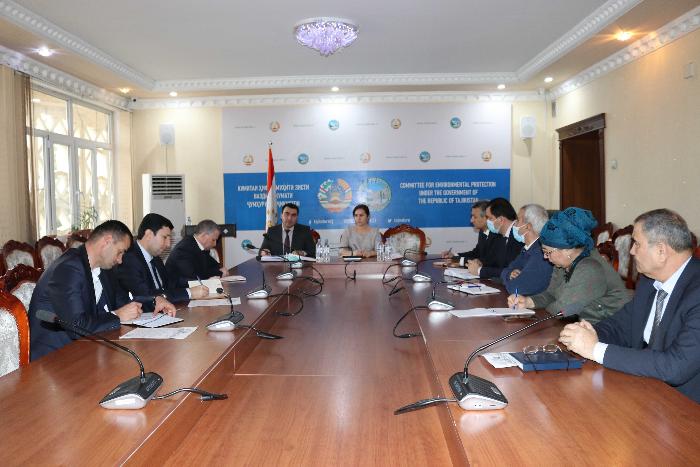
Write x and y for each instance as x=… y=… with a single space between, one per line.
x=165 y=195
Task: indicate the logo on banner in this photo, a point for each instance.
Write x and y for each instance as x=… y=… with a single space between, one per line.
x=335 y=195
x=248 y=159
x=303 y=158
x=365 y=157
x=245 y=244
x=486 y=156
x=274 y=126
x=375 y=193
x=333 y=125
x=455 y=122
x=424 y=156
x=396 y=124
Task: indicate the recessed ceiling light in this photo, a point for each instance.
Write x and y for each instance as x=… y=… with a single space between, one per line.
x=124 y=90
x=335 y=89
x=548 y=79
x=173 y=93
x=44 y=51
x=623 y=35
x=501 y=86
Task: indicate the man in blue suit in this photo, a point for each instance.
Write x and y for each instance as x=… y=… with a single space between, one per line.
x=191 y=259
x=79 y=288
x=657 y=334
x=142 y=272
x=530 y=272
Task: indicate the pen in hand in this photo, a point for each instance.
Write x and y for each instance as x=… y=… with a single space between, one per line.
x=515 y=302
x=200 y=281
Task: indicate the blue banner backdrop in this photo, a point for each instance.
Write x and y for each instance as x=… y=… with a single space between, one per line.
x=423 y=198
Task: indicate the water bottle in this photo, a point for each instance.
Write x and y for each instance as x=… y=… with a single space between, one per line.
x=387 y=252
x=326 y=252
x=319 y=258
x=378 y=248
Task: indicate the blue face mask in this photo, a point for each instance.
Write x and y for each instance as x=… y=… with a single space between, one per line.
x=517 y=235
x=492 y=228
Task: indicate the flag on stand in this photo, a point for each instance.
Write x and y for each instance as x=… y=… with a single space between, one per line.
x=271 y=203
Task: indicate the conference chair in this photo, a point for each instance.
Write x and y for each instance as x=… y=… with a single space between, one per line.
x=21 y=281
x=315 y=235
x=622 y=240
x=48 y=249
x=14 y=334
x=404 y=237
x=74 y=240
x=607 y=251
x=602 y=233
x=14 y=253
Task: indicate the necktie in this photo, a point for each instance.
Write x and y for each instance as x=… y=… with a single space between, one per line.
x=287 y=246
x=660 y=297
x=159 y=284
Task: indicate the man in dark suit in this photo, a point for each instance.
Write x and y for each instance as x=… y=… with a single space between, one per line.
x=500 y=219
x=289 y=237
x=484 y=243
x=657 y=334
x=191 y=259
x=142 y=272
x=79 y=289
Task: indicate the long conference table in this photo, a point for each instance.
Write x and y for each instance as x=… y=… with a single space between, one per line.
x=325 y=394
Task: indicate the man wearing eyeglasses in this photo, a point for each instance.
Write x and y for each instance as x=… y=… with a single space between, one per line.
x=657 y=334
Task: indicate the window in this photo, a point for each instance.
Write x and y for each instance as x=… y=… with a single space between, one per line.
x=73 y=154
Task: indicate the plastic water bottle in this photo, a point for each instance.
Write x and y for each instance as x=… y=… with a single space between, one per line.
x=379 y=249
x=319 y=258
x=327 y=252
x=387 y=252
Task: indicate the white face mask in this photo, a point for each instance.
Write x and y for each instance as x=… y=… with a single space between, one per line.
x=491 y=226
x=517 y=235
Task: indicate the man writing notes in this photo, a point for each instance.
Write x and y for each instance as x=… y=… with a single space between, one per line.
x=657 y=334
x=142 y=272
x=79 y=289
x=500 y=219
x=191 y=259
x=288 y=237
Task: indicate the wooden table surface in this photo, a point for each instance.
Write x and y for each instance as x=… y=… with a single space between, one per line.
x=325 y=394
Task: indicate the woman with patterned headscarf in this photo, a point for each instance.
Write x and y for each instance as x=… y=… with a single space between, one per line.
x=582 y=279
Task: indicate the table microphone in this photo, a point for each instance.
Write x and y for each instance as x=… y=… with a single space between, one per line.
x=227 y=322
x=261 y=292
x=131 y=394
x=436 y=304
x=409 y=262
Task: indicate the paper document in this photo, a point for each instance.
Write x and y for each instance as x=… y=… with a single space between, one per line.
x=211 y=284
x=461 y=273
x=271 y=259
x=214 y=302
x=475 y=288
x=500 y=359
x=477 y=312
x=233 y=279
x=149 y=320
x=308 y=258
x=160 y=333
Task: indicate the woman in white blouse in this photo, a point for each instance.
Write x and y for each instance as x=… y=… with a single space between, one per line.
x=360 y=239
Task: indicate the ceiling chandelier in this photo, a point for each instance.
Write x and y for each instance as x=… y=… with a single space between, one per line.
x=327 y=35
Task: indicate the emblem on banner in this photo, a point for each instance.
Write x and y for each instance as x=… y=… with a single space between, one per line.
x=374 y=192
x=396 y=124
x=303 y=158
x=274 y=126
x=455 y=122
x=248 y=159
x=365 y=157
x=424 y=156
x=335 y=195
x=486 y=156
x=333 y=125
x=245 y=244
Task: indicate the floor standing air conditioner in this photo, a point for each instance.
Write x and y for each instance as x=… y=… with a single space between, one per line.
x=165 y=195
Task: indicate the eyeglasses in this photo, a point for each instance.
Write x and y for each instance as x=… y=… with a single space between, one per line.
x=547 y=252
x=548 y=349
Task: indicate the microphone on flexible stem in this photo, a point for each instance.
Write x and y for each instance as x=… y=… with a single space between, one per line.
x=436 y=304
x=131 y=394
x=287 y=276
x=261 y=292
x=227 y=322
x=409 y=262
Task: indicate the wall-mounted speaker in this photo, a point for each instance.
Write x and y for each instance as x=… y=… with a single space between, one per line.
x=528 y=127
x=167 y=134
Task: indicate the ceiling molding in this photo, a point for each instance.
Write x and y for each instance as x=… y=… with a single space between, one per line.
x=60 y=80
x=359 y=98
x=36 y=24
x=602 y=17
x=653 y=41
x=283 y=82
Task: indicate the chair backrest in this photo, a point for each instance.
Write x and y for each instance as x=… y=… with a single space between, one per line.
x=404 y=237
x=20 y=281
x=74 y=240
x=315 y=235
x=15 y=253
x=622 y=240
x=602 y=233
x=607 y=251
x=14 y=334
x=48 y=249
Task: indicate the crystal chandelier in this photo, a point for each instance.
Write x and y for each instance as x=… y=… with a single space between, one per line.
x=326 y=35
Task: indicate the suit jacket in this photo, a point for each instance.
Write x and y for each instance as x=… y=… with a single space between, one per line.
x=483 y=248
x=674 y=356
x=134 y=275
x=301 y=240
x=66 y=289
x=535 y=272
x=504 y=252
x=187 y=263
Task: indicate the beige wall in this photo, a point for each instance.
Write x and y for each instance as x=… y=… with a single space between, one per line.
x=653 y=131
x=196 y=153
x=122 y=184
